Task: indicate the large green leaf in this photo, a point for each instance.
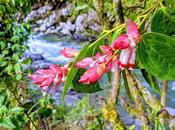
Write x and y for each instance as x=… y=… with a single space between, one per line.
x=157 y=55
x=91 y=88
x=164 y=21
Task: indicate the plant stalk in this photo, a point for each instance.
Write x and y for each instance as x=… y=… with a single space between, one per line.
x=164 y=93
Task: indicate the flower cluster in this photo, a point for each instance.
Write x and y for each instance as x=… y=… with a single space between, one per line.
x=107 y=60
x=98 y=65
x=102 y=63
x=127 y=43
x=53 y=75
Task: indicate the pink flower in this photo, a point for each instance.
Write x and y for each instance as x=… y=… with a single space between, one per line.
x=84 y=63
x=69 y=52
x=43 y=77
x=106 y=50
x=127 y=57
x=122 y=42
x=132 y=32
x=127 y=43
x=46 y=77
x=58 y=74
x=93 y=74
x=98 y=54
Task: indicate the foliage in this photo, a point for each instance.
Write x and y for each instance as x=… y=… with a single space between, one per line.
x=12 y=116
x=13 y=33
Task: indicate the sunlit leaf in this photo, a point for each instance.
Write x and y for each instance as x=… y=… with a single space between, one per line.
x=157 y=55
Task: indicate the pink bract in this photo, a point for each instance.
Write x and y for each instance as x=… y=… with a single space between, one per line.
x=122 y=42
x=68 y=52
x=132 y=31
x=46 y=77
x=84 y=63
x=106 y=50
x=93 y=74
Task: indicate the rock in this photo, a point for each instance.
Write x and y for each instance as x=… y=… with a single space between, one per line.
x=44 y=9
x=34 y=57
x=71 y=26
x=31 y=15
x=66 y=9
x=95 y=27
x=92 y=16
x=36 y=29
x=48 y=22
x=80 y=24
x=137 y=124
x=81 y=36
x=51 y=30
x=128 y=120
x=42 y=28
x=41 y=21
x=65 y=32
x=40 y=64
x=171 y=111
x=58 y=28
x=66 y=28
x=38 y=13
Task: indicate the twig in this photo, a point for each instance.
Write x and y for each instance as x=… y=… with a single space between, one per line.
x=119 y=9
x=164 y=93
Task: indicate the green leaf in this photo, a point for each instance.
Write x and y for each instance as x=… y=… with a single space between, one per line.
x=44 y=112
x=2 y=45
x=115 y=35
x=16 y=110
x=13 y=2
x=15 y=39
x=132 y=127
x=9 y=69
x=170 y=3
x=151 y=80
x=84 y=88
x=3 y=63
x=3 y=110
x=156 y=53
x=18 y=68
x=81 y=7
x=6 y=123
x=3 y=97
x=19 y=76
x=164 y=21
